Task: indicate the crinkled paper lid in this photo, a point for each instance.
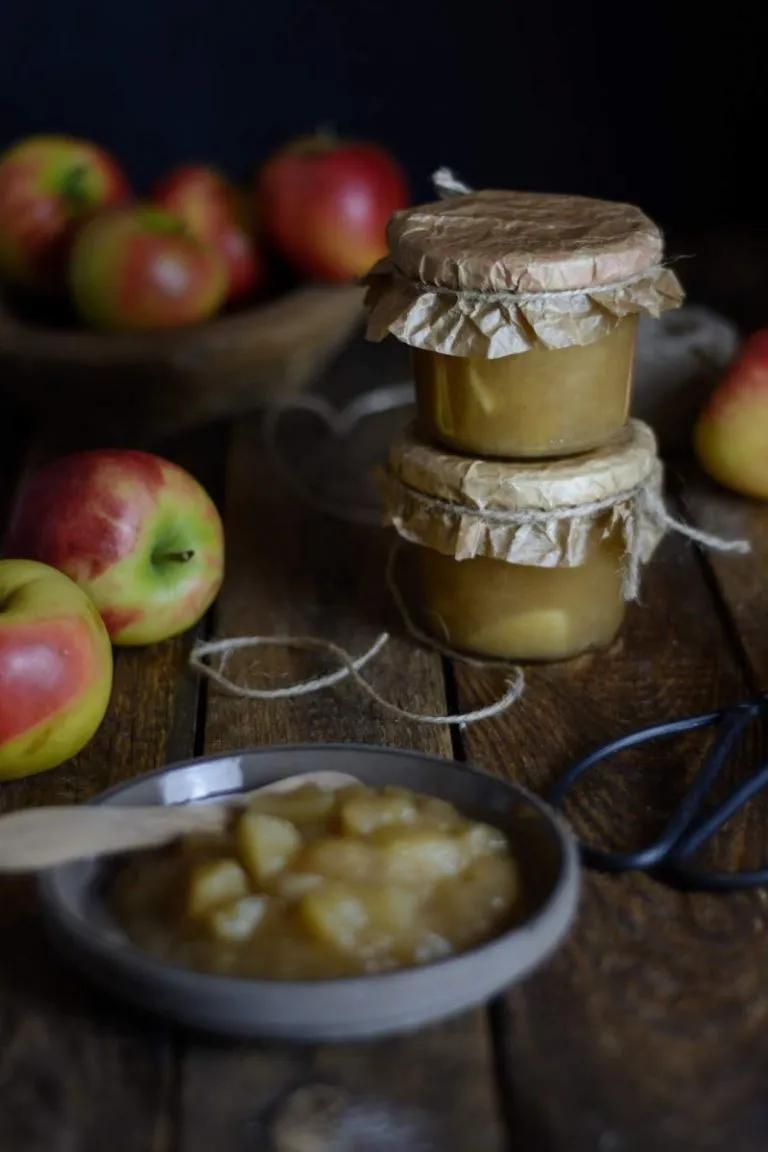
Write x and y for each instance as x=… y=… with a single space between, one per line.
x=492 y=274
x=537 y=513
x=625 y=461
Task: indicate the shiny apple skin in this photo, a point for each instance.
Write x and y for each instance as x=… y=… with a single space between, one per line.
x=55 y=668
x=137 y=533
x=140 y=268
x=215 y=211
x=731 y=434
x=50 y=185
x=325 y=205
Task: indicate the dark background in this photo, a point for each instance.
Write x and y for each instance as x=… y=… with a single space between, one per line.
x=657 y=103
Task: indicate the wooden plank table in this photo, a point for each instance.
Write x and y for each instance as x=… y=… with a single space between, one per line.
x=646 y=1033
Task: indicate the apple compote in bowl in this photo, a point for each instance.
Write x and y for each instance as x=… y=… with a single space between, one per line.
x=419 y=888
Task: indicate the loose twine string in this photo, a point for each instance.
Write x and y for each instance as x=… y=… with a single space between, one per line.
x=506 y=295
x=350 y=668
x=339 y=422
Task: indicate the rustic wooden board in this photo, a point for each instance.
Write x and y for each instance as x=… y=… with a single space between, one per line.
x=77 y=1073
x=742 y=582
x=290 y=571
x=647 y=1031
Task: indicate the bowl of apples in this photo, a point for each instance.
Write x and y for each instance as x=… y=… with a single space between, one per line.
x=195 y=303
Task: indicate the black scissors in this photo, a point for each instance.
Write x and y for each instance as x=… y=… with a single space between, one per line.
x=667 y=858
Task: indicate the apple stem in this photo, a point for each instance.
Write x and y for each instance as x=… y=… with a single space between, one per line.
x=74 y=186
x=179 y=557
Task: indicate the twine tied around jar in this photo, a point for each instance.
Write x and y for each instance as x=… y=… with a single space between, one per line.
x=640 y=511
x=496 y=273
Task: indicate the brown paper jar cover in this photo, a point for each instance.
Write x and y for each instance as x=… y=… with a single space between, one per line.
x=494 y=273
x=541 y=514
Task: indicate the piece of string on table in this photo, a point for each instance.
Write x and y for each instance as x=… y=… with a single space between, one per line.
x=350 y=667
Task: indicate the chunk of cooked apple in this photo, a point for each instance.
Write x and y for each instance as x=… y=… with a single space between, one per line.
x=361 y=919
x=419 y=855
x=235 y=922
x=341 y=858
x=265 y=844
x=304 y=805
x=214 y=882
x=366 y=811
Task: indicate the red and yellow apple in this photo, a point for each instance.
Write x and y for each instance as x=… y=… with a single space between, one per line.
x=325 y=204
x=215 y=211
x=48 y=186
x=137 y=533
x=731 y=434
x=55 y=668
x=140 y=268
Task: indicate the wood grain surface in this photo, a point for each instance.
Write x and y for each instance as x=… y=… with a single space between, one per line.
x=646 y=1033
x=740 y=584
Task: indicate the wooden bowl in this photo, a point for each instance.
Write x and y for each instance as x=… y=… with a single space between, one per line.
x=145 y=385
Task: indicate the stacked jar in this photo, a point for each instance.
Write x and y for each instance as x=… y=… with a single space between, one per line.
x=527 y=498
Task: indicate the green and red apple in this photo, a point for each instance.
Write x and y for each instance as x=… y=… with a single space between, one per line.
x=731 y=435
x=55 y=668
x=325 y=204
x=215 y=211
x=137 y=533
x=141 y=268
x=49 y=185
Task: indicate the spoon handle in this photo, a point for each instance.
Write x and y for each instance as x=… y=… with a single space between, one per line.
x=44 y=837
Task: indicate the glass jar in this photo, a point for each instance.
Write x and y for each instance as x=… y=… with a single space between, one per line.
x=523 y=560
x=545 y=402
x=520 y=310
x=518 y=611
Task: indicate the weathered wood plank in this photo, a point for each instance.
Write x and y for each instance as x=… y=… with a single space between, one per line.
x=290 y=571
x=78 y=1073
x=648 y=1029
x=742 y=581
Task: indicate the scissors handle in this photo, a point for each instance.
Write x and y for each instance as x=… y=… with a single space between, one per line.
x=682 y=836
x=688 y=877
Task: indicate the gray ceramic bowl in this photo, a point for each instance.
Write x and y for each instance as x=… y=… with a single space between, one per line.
x=86 y=932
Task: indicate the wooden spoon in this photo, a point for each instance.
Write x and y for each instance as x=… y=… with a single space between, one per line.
x=45 y=837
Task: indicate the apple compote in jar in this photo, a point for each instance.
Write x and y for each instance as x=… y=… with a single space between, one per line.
x=524 y=561
x=521 y=312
